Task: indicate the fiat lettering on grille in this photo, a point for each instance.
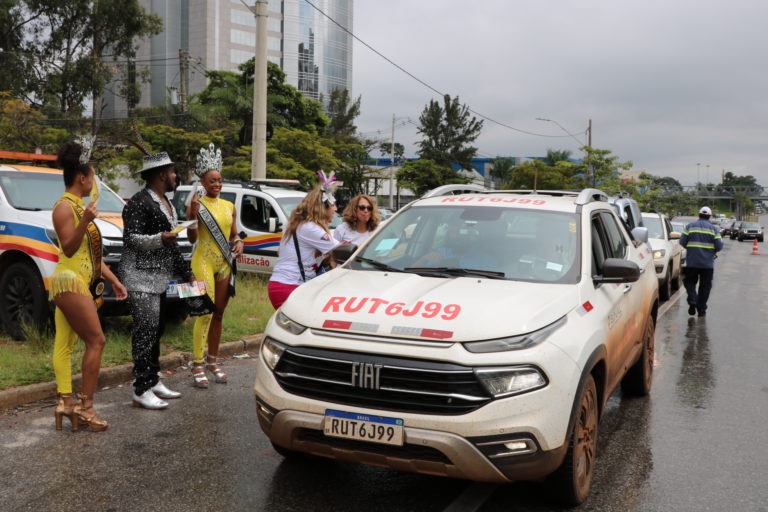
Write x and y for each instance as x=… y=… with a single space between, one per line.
x=366 y=375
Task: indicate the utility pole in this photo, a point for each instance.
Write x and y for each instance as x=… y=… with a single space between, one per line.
x=589 y=134
x=182 y=80
x=259 y=138
x=392 y=164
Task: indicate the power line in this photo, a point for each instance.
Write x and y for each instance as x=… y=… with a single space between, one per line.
x=422 y=82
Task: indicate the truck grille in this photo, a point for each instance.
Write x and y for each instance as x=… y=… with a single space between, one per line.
x=399 y=384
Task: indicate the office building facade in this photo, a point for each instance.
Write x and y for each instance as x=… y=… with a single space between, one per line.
x=314 y=52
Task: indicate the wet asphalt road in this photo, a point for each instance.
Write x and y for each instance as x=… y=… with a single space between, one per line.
x=699 y=442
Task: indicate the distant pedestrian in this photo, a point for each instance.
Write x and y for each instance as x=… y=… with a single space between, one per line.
x=702 y=241
x=361 y=218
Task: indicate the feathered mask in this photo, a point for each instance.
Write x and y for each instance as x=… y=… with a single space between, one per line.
x=208 y=159
x=328 y=186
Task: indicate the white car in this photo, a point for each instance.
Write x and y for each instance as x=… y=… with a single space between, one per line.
x=472 y=336
x=667 y=252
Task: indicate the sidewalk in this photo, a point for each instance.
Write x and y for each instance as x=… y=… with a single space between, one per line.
x=114 y=375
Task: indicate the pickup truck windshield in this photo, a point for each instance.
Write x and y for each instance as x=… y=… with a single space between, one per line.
x=39 y=190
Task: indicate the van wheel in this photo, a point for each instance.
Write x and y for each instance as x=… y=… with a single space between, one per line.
x=23 y=300
x=637 y=381
x=677 y=279
x=573 y=479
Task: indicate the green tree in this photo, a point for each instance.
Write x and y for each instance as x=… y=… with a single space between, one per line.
x=602 y=169
x=536 y=174
x=14 y=51
x=72 y=42
x=385 y=148
x=423 y=175
x=448 y=132
x=22 y=128
x=342 y=112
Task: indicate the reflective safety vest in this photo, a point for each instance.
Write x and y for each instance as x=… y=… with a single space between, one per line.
x=702 y=240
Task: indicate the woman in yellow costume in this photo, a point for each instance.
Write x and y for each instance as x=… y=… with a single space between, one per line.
x=75 y=286
x=212 y=261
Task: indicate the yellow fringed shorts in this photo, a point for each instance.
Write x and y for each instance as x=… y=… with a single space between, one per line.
x=68 y=281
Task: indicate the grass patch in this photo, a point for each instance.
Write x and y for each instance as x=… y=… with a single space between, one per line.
x=29 y=362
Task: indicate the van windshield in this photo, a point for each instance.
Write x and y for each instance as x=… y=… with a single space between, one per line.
x=40 y=190
x=654 y=226
x=288 y=204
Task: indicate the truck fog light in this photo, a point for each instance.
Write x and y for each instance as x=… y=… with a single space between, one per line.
x=501 y=382
x=271 y=352
x=516 y=446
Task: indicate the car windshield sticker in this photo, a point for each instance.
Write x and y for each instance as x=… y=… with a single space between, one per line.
x=386 y=244
x=572 y=227
x=554 y=266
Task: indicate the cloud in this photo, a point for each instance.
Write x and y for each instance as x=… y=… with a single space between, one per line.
x=667 y=84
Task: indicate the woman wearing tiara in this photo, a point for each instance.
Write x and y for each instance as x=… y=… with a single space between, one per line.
x=305 y=241
x=75 y=286
x=213 y=261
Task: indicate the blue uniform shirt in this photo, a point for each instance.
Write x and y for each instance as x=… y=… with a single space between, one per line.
x=702 y=240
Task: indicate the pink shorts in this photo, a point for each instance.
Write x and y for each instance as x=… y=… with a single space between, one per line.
x=279 y=292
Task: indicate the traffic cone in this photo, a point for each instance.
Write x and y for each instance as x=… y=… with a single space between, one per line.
x=755 y=249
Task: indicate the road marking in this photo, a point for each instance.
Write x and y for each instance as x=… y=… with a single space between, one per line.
x=473 y=497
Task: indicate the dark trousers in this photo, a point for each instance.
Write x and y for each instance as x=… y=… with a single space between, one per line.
x=148 y=326
x=704 y=278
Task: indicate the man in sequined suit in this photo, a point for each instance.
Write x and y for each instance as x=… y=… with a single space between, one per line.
x=150 y=258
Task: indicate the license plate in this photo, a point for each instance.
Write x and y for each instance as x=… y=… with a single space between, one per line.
x=363 y=427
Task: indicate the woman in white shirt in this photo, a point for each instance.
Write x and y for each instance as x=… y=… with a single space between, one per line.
x=308 y=232
x=361 y=217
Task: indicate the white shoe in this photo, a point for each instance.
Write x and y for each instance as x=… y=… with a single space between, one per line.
x=148 y=400
x=161 y=391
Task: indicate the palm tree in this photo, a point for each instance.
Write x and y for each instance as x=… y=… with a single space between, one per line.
x=502 y=169
x=554 y=156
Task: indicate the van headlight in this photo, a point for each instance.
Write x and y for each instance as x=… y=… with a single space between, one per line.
x=289 y=325
x=271 y=352
x=658 y=254
x=501 y=382
x=515 y=342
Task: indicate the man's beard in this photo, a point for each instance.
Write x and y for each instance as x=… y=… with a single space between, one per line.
x=170 y=185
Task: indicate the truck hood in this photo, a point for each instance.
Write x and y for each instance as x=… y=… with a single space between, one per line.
x=109 y=224
x=412 y=306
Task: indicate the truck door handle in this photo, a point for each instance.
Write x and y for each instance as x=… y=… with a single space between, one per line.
x=627 y=287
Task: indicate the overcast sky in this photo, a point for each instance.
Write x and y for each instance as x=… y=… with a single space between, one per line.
x=667 y=83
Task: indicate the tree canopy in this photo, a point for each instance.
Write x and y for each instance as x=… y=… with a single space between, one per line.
x=448 y=131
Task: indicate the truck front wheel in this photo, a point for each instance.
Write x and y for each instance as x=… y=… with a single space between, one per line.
x=23 y=300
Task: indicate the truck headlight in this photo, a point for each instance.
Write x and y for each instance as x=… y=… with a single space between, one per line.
x=515 y=342
x=501 y=382
x=271 y=352
x=289 y=325
x=658 y=254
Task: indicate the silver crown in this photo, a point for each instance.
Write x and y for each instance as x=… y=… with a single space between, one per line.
x=87 y=142
x=208 y=159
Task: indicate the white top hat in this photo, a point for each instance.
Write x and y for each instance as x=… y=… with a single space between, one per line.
x=154 y=161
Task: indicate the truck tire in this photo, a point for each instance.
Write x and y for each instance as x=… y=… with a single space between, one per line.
x=665 y=289
x=573 y=479
x=23 y=300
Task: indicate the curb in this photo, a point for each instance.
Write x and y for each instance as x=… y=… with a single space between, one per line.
x=114 y=375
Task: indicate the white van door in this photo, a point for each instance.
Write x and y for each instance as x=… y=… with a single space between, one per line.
x=261 y=228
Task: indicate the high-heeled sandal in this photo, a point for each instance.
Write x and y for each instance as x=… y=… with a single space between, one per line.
x=87 y=416
x=63 y=410
x=198 y=372
x=213 y=367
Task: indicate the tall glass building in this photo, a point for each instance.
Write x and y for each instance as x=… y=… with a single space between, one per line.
x=314 y=52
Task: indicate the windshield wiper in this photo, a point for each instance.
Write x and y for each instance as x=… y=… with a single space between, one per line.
x=28 y=208
x=492 y=274
x=378 y=264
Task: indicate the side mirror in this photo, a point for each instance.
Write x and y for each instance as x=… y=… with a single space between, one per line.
x=273 y=224
x=640 y=234
x=674 y=235
x=616 y=270
x=342 y=252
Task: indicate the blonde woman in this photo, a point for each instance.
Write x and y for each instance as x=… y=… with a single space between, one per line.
x=361 y=218
x=304 y=242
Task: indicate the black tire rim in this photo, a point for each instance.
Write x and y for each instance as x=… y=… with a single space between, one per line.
x=20 y=300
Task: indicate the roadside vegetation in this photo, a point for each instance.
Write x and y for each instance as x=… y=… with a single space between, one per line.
x=29 y=362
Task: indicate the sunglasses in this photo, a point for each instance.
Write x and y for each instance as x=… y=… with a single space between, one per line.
x=362 y=208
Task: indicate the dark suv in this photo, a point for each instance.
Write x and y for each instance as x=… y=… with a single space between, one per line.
x=750 y=230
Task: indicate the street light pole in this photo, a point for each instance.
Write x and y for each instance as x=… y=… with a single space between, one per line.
x=259 y=137
x=698 y=176
x=566 y=131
